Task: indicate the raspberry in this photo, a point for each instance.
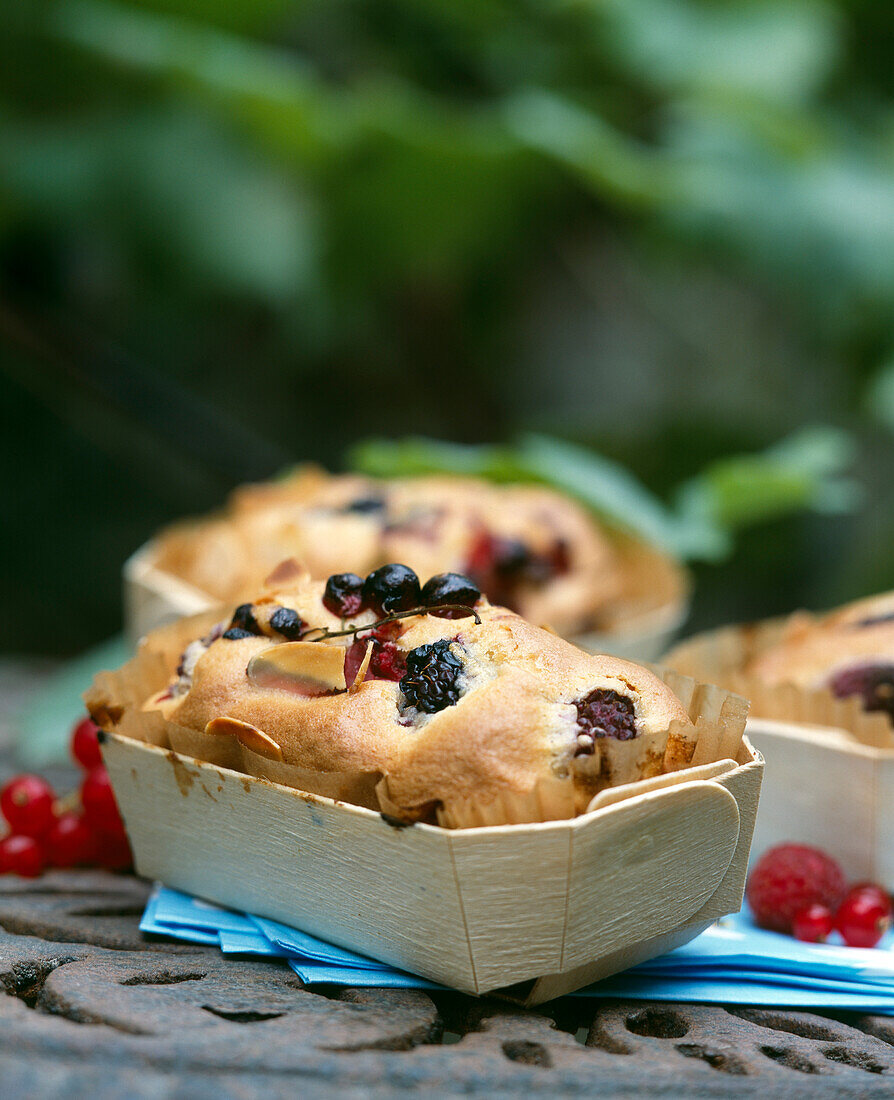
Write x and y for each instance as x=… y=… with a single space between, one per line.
x=788 y=879
x=813 y=924
x=499 y=565
x=604 y=713
x=863 y=917
x=85 y=745
x=386 y=662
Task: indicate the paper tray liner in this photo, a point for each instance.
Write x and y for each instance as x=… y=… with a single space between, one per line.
x=722 y=655
x=116 y=699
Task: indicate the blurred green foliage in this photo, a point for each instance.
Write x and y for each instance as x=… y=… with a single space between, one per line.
x=806 y=471
x=660 y=228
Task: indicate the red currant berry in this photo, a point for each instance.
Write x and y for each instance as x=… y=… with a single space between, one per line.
x=21 y=855
x=27 y=804
x=98 y=800
x=71 y=842
x=863 y=919
x=812 y=924
x=85 y=744
x=113 y=852
x=871 y=888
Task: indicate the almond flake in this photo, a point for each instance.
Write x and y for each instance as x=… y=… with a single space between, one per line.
x=248 y=735
x=304 y=668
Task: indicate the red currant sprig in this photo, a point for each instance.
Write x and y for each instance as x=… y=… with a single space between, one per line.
x=44 y=833
x=862 y=918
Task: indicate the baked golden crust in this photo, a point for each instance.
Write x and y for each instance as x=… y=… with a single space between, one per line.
x=513 y=720
x=569 y=577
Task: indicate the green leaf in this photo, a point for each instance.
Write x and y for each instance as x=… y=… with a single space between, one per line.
x=605 y=487
x=45 y=723
x=803 y=472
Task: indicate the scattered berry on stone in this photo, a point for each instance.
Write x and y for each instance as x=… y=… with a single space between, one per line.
x=98 y=799
x=27 y=804
x=390 y=588
x=85 y=744
x=449 y=588
x=343 y=595
x=71 y=842
x=863 y=917
x=604 y=713
x=431 y=682
x=287 y=622
x=788 y=879
x=236 y=634
x=21 y=855
x=813 y=924
x=873 y=683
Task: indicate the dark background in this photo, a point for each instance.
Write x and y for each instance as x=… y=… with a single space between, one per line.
x=240 y=233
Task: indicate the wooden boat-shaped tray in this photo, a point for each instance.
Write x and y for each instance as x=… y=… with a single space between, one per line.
x=527 y=911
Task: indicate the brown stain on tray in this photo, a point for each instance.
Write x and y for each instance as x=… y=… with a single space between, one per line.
x=185 y=778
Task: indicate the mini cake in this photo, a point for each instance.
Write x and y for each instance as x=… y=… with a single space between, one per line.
x=848 y=652
x=529 y=548
x=424 y=701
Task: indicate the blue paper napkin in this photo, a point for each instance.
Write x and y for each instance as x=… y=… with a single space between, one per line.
x=732 y=962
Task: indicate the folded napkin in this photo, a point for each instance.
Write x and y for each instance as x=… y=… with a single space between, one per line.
x=733 y=962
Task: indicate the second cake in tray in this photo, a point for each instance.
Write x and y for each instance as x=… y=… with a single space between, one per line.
x=529 y=548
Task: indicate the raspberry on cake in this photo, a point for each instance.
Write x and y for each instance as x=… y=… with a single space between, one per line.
x=446 y=706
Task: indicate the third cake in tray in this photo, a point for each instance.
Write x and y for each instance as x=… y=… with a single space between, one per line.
x=529 y=548
x=834 y=669
x=848 y=652
x=424 y=701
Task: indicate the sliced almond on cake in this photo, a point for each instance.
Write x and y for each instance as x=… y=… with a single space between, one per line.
x=247 y=734
x=304 y=668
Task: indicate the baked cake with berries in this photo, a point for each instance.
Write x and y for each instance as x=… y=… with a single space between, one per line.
x=848 y=652
x=529 y=548
x=424 y=700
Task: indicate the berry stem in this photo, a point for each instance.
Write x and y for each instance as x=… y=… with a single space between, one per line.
x=325 y=632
